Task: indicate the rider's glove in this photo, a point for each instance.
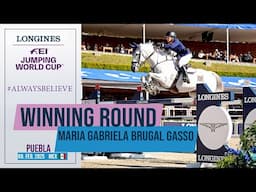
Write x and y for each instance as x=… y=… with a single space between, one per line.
x=160 y=45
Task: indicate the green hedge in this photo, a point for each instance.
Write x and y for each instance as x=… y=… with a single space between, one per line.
x=244 y=157
x=116 y=62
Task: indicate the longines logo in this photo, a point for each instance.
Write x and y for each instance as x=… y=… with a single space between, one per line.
x=214 y=127
x=250 y=118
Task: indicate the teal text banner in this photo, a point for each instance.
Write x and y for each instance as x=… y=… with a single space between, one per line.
x=126 y=139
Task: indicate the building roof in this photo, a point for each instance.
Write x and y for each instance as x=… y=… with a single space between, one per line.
x=190 y=32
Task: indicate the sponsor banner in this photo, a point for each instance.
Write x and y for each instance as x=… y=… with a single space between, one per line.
x=249 y=106
x=41 y=64
x=126 y=139
x=214 y=124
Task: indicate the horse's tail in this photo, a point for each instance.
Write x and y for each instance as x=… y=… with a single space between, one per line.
x=220 y=86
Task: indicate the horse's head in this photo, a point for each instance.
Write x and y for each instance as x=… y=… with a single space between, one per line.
x=136 y=57
x=140 y=54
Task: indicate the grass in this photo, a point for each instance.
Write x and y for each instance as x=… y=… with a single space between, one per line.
x=119 y=62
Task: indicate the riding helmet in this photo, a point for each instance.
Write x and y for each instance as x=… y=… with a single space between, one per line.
x=171 y=34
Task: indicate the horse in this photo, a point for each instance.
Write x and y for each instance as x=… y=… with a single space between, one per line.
x=165 y=73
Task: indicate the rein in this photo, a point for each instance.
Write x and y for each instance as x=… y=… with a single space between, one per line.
x=147 y=58
x=153 y=67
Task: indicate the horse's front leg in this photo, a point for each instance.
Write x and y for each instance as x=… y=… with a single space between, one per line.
x=150 y=85
x=144 y=82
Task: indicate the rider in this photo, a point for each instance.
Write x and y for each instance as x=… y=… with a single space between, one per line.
x=183 y=54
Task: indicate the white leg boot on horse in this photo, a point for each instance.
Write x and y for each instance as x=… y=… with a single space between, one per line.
x=150 y=85
x=151 y=89
x=154 y=86
x=143 y=80
x=146 y=84
x=154 y=90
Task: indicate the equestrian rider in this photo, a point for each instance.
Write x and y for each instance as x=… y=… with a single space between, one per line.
x=183 y=54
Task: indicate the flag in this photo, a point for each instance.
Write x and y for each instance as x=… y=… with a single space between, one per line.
x=62 y=156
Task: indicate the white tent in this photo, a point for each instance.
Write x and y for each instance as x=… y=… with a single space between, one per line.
x=190 y=32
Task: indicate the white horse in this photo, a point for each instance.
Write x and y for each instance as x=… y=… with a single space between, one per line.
x=164 y=72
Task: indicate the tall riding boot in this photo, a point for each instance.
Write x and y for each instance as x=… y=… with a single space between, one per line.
x=184 y=74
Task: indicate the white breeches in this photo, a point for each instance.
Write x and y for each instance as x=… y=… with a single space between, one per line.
x=185 y=59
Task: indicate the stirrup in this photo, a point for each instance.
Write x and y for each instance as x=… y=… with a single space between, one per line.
x=187 y=65
x=184 y=74
x=186 y=79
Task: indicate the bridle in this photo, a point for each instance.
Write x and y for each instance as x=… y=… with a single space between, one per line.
x=147 y=58
x=137 y=61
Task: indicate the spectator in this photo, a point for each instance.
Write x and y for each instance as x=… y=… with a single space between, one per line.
x=247 y=57
x=217 y=54
x=122 y=49
x=88 y=47
x=241 y=57
x=83 y=46
x=96 y=47
x=234 y=58
x=117 y=48
x=201 y=54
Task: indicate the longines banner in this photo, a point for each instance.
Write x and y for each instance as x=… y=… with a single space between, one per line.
x=40 y=64
x=214 y=124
